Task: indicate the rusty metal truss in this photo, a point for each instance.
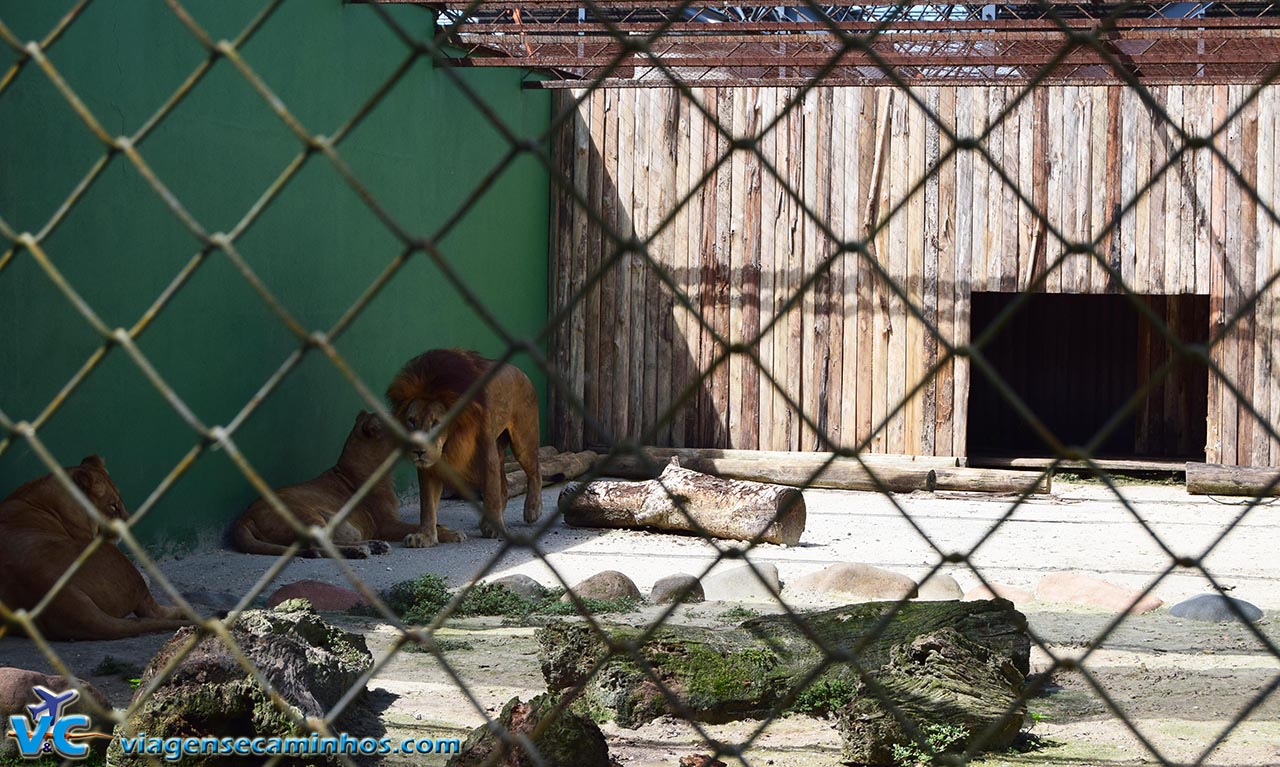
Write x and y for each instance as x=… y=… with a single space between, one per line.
x=662 y=42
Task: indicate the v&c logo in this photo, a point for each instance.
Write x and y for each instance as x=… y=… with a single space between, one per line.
x=48 y=730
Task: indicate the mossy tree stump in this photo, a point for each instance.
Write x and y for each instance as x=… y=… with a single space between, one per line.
x=955 y=663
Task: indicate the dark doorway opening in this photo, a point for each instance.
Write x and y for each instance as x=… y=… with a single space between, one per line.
x=1076 y=360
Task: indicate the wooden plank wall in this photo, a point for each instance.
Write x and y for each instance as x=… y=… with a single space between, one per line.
x=646 y=351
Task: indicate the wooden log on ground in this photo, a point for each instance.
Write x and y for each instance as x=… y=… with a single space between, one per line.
x=957 y=663
x=557 y=468
x=1216 y=479
x=721 y=508
x=660 y=455
x=841 y=475
x=991 y=480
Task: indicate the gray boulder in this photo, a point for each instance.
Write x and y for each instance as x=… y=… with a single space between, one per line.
x=571 y=740
x=522 y=585
x=16 y=695
x=310 y=663
x=670 y=588
x=607 y=584
x=740 y=584
x=1213 y=608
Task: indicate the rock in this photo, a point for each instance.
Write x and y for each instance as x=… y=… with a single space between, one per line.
x=1076 y=588
x=940 y=678
x=522 y=585
x=740 y=584
x=16 y=695
x=607 y=584
x=310 y=663
x=322 y=596
x=207 y=601
x=571 y=740
x=940 y=588
x=1212 y=608
x=861 y=581
x=700 y=760
x=1012 y=593
x=670 y=588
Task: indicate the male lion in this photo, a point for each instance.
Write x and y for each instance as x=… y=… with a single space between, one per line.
x=466 y=454
x=43 y=530
x=260 y=530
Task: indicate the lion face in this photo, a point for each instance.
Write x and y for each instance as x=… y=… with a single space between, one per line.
x=425 y=416
x=92 y=478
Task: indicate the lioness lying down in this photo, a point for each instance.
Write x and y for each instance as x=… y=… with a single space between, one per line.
x=43 y=530
x=260 y=530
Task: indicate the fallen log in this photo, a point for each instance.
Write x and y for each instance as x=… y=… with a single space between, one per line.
x=842 y=475
x=1216 y=479
x=661 y=455
x=956 y=663
x=721 y=508
x=991 y=481
x=557 y=468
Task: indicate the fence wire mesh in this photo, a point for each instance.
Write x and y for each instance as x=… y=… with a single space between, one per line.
x=657 y=42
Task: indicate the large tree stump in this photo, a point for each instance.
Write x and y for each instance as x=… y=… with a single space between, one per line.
x=959 y=663
x=721 y=508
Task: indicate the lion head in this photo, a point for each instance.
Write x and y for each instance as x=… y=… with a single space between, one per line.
x=367 y=446
x=427 y=388
x=93 y=480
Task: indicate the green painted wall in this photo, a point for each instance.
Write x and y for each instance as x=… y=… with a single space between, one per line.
x=421 y=153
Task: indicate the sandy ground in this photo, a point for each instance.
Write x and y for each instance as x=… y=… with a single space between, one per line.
x=1181 y=683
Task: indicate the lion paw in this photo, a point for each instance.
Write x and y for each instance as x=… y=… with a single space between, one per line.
x=490 y=530
x=354 y=552
x=449 y=535
x=420 y=541
x=532 y=511
x=378 y=548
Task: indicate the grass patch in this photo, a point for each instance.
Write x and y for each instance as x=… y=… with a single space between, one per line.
x=738 y=614
x=419 y=601
x=113 y=666
x=824 y=696
x=446 y=645
x=939 y=739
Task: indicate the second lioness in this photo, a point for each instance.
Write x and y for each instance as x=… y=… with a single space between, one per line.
x=466 y=453
x=261 y=530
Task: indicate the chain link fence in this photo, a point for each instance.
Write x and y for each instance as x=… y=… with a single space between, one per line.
x=1057 y=33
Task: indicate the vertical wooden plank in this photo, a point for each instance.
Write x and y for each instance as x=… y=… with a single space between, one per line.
x=1009 y=209
x=1229 y=265
x=795 y=233
x=784 y=264
x=915 y=233
x=641 y=136
x=880 y=190
x=1071 y=191
x=1128 y=187
x=1054 y=139
x=1084 y=189
x=981 y=183
x=1142 y=211
x=1026 y=224
x=963 y=271
x=656 y=296
x=750 y=283
x=996 y=212
x=664 y=193
x=679 y=246
x=1159 y=156
x=723 y=276
x=1248 y=212
x=850 y=296
x=1037 y=247
x=896 y=369
x=560 y=258
x=1176 y=242
x=572 y=416
x=1204 y=119
x=607 y=353
x=818 y=363
x=946 y=249
x=864 y=208
x=737 y=248
x=929 y=287
x=1098 y=189
x=622 y=421
x=593 y=258
x=835 y=292
x=766 y=99
x=694 y=167
x=1269 y=124
x=1113 y=200
x=1215 y=450
x=708 y=418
